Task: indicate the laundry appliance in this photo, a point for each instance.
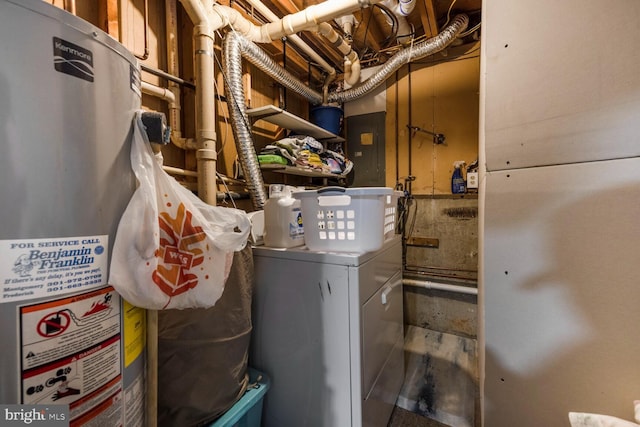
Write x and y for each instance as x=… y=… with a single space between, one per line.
x=328 y=331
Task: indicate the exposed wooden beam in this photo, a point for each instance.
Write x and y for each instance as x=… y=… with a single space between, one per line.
x=322 y=46
x=368 y=31
x=317 y=42
x=108 y=17
x=282 y=8
x=428 y=17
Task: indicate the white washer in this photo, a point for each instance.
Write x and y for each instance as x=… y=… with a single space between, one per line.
x=328 y=331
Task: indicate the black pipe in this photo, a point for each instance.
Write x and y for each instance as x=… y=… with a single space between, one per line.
x=409 y=138
x=397 y=132
x=167 y=76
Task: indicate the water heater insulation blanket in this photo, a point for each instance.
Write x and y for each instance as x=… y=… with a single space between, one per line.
x=202 y=353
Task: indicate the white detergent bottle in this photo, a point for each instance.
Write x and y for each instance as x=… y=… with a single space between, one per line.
x=283 y=226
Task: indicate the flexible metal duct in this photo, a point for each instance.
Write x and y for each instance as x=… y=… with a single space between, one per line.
x=263 y=61
x=235 y=47
x=418 y=51
x=232 y=64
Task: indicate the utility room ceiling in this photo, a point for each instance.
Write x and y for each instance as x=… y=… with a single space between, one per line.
x=373 y=36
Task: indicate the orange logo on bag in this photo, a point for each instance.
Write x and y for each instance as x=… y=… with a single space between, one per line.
x=178 y=252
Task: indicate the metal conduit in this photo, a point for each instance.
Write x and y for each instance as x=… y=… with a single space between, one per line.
x=235 y=47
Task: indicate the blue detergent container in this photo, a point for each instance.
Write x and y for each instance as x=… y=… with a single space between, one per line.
x=458 y=183
x=327 y=117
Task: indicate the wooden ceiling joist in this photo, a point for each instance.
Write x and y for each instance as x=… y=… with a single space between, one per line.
x=428 y=17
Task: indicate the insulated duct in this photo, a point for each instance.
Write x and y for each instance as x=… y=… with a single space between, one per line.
x=259 y=58
x=234 y=91
x=236 y=46
x=417 y=51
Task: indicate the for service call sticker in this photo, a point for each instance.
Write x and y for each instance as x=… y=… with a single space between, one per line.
x=35 y=268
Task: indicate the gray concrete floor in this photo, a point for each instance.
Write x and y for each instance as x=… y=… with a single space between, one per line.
x=403 y=418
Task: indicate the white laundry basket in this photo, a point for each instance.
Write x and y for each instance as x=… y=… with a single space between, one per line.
x=340 y=219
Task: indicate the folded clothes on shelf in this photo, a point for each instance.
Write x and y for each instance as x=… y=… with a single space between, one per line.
x=306 y=152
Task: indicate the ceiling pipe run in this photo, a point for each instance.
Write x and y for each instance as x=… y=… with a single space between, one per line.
x=309 y=18
x=293 y=38
x=314 y=15
x=412 y=53
x=351 y=60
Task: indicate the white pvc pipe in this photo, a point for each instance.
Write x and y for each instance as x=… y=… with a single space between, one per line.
x=179 y=171
x=347 y=22
x=267 y=13
x=157 y=91
x=206 y=155
x=315 y=14
x=401 y=10
x=427 y=284
x=351 y=62
x=308 y=19
x=223 y=16
x=405 y=7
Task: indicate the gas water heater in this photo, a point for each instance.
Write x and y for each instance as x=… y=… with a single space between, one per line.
x=68 y=94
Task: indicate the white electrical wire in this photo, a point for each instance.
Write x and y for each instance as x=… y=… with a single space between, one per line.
x=449 y=12
x=226 y=189
x=466 y=33
x=226 y=121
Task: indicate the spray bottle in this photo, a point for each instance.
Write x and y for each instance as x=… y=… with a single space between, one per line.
x=283 y=226
x=458 y=184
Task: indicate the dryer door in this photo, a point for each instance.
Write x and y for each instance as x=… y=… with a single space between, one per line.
x=382 y=357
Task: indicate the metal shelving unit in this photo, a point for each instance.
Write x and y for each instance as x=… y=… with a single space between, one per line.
x=298 y=125
x=284 y=119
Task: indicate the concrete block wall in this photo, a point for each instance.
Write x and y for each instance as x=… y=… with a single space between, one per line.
x=442 y=247
x=443 y=240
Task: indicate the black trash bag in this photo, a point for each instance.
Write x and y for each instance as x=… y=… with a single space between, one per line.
x=203 y=353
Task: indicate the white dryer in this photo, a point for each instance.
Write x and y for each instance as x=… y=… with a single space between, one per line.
x=328 y=331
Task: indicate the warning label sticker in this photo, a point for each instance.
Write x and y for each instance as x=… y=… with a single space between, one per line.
x=35 y=268
x=71 y=353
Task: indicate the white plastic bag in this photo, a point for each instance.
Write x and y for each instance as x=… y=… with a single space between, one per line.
x=172 y=250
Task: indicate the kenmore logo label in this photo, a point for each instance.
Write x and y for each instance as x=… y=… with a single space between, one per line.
x=72 y=59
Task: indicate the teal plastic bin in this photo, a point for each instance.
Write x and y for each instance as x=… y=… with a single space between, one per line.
x=247 y=412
